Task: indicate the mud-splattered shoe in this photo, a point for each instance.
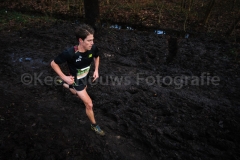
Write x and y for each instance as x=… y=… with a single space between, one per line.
x=97 y=129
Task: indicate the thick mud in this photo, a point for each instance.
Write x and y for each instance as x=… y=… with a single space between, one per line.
x=158 y=97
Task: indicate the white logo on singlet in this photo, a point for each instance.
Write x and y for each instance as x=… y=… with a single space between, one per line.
x=79 y=58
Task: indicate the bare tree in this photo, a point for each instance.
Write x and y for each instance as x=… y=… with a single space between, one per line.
x=190 y=5
x=208 y=12
x=187 y=12
x=232 y=28
x=183 y=4
x=91 y=12
x=68 y=4
x=159 y=8
x=233 y=4
x=185 y=21
x=81 y=7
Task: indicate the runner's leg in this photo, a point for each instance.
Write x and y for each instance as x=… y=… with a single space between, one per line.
x=83 y=95
x=71 y=89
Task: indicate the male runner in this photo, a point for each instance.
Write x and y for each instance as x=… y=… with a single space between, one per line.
x=79 y=60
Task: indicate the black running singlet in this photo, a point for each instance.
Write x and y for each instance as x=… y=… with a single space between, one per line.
x=78 y=63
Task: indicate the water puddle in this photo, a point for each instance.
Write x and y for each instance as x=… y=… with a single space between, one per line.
x=25 y=59
x=121 y=27
x=156 y=31
x=29 y=61
x=159 y=32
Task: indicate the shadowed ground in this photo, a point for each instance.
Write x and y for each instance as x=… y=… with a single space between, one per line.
x=158 y=97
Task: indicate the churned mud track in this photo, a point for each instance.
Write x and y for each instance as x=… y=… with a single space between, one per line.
x=158 y=97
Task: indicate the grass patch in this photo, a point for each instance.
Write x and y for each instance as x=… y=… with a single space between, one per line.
x=11 y=20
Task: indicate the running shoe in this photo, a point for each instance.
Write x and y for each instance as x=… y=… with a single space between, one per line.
x=97 y=129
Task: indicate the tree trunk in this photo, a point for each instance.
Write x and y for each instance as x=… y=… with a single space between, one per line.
x=183 y=4
x=208 y=12
x=185 y=21
x=68 y=5
x=80 y=7
x=91 y=12
x=190 y=5
x=232 y=28
x=159 y=8
x=233 y=4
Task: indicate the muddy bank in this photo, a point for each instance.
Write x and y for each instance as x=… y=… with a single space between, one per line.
x=158 y=97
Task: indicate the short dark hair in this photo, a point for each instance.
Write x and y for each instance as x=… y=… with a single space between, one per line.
x=83 y=30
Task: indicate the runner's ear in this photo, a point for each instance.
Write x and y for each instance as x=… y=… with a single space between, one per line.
x=80 y=40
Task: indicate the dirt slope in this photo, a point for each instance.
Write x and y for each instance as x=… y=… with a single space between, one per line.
x=158 y=97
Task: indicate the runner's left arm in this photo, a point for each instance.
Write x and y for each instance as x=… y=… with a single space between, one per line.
x=96 y=64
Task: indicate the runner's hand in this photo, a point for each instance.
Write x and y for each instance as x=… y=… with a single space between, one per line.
x=69 y=80
x=95 y=75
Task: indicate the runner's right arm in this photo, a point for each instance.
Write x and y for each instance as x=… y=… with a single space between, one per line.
x=57 y=69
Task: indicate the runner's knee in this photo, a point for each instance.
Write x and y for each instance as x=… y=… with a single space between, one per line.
x=89 y=105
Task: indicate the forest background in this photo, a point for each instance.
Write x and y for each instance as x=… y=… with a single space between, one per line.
x=217 y=17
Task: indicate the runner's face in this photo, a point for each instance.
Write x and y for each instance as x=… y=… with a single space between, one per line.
x=88 y=42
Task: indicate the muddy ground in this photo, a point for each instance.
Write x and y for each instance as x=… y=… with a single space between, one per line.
x=156 y=98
